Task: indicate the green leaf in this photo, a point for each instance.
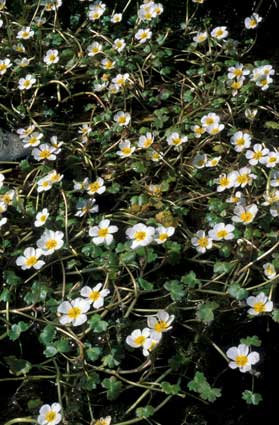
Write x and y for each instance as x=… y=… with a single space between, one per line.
x=93 y=353
x=62 y=345
x=275 y=315
x=251 y=340
x=169 y=388
x=223 y=267
x=145 y=285
x=50 y=351
x=11 y=278
x=237 y=292
x=113 y=387
x=145 y=412
x=90 y=382
x=176 y=290
x=18 y=366
x=190 y=279
x=17 y=329
x=251 y=398
x=34 y=403
x=200 y=385
x=47 y=335
x=206 y=311
x=97 y=324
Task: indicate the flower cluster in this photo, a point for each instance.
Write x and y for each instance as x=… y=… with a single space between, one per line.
x=149 y=337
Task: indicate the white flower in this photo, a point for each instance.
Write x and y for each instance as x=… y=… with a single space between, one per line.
x=44 y=184
x=102 y=234
x=25 y=132
x=219 y=33
x=200 y=37
x=200 y=160
x=250 y=114
x=269 y=270
x=96 y=187
x=236 y=198
x=117 y=17
x=4 y=65
x=146 y=141
x=237 y=71
x=106 y=63
x=103 y=421
x=86 y=206
x=154 y=155
x=264 y=82
x=23 y=62
x=96 y=11
x=140 y=234
x=2 y=178
x=121 y=80
x=50 y=241
x=240 y=141
x=125 y=149
x=215 y=129
x=119 y=44
x=30 y=258
x=49 y=415
x=138 y=337
x=122 y=118
x=32 y=140
x=271 y=159
x=201 y=241
x=163 y=233
x=50 y=5
x=57 y=145
x=213 y=161
x=174 y=139
x=54 y=177
x=241 y=357
x=3 y=221
x=3 y=206
x=259 y=304
x=41 y=217
x=26 y=83
x=51 y=57
x=95 y=295
x=243 y=177
x=252 y=21
x=73 y=311
x=151 y=343
x=209 y=120
x=244 y=214
x=94 y=48
x=222 y=231
x=160 y=323
x=25 y=33
x=44 y=152
x=225 y=181
x=257 y=154
x=142 y=35
x=198 y=131
x=8 y=197
x=274 y=182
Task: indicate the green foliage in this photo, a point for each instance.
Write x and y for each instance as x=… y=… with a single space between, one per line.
x=251 y=340
x=251 y=398
x=145 y=412
x=205 y=311
x=113 y=387
x=200 y=385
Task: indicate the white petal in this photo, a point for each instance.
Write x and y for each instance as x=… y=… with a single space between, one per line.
x=253 y=357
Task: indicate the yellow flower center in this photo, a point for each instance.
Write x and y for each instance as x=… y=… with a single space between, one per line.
x=52 y=57
x=224 y=181
x=147 y=143
x=257 y=155
x=161 y=326
x=236 y=85
x=122 y=119
x=176 y=141
x=259 y=307
x=272 y=159
x=93 y=187
x=32 y=140
x=74 y=312
x=269 y=270
x=44 y=154
x=237 y=72
x=43 y=218
x=103 y=232
x=219 y=32
x=222 y=233
x=209 y=121
x=27 y=83
x=6 y=199
x=101 y=422
x=242 y=179
x=25 y=34
x=55 y=178
x=246 y=216
x=140 y=340
x=51 y=244
x=240 y=141
x=94 y=295
x=203 y=242
x=126 y=150
x=31 y=261
x=140 y=236
x=144 y=35
x=3 y=67
x=45 y=183
x=253 y=23
x=50 y=416
x=163 y=236
x=241 y=360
